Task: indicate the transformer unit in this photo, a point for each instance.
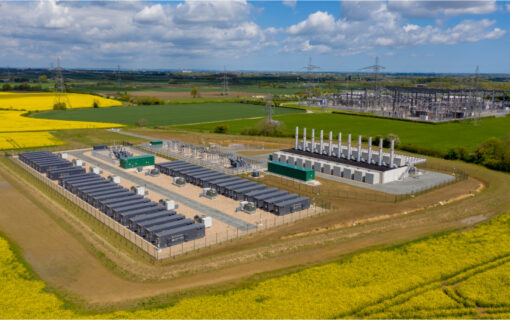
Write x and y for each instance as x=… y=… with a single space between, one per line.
x=139 y=190
x=179 y=181
x=114 y=179
x=209 y=193
x=78 y=162
x=205 y=220
x=248 y=207
x=95 y=170
x=168 y=204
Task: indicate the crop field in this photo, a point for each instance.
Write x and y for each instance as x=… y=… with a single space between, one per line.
x=441 y=276
x=167 y=114
x=18 y=131
x=434 y=136
x=45 y=101
x=14 y=121
x=17 y=140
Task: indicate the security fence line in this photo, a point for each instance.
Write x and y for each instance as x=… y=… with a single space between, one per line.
x=209 y=240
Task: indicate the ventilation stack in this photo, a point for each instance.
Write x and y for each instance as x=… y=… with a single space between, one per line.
x=330 y=148
x=380 y=151
x=359 y=149
x=297 y=138
x=339 y=155
x=304 y=139
x=392 y=153
x=312 y=149
x=369 y=159
x=322 y=142
x=349 y=149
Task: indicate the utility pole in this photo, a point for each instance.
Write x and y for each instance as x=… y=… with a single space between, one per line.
x=225 y=89
x=309 y=68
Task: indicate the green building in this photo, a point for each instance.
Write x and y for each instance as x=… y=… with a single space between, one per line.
x=291 y=171
x=138 y=161
x=156 y=143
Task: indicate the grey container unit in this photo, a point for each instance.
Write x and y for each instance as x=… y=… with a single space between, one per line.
x=226 y=189
x=195 y=178
x=108 y=206
x=239 y=193
x=214 y=183
x=69 y=171
x=90 y=195
x=199 y=181
x=124 y=217
x=269 y=203
x=221 y=187
x=172 y=171
x=63 y=180
x=188 y=173
x=289 y=206
x=229 y=190
x=25 y=156
x=259 y=200
x=150 y=232
x=42 y=168
x=44 y=164
x=165 y=167
x=110 y=196
x=80 y=184
x=68 y=184
x=131 y=207
x=140 y=227
x=175 y=170
x=190 y=176
x=133 y=222
x=103 y=204
x=77 y=188
x=250 y=196
x=179 y=235
x=123 y=204
x=206 y=181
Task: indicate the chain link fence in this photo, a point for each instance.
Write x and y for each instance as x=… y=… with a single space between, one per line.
x=211 y=239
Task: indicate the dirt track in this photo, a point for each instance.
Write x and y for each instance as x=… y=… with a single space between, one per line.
x=64 y=262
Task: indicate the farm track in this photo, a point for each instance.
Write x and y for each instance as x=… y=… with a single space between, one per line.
x=449 y=282
x=226 y=266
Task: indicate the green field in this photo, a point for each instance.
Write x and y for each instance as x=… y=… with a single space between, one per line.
x=434 y=136
x=167 y=114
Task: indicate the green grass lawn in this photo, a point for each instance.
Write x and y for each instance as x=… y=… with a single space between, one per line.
x=165 y=115
x=434 y=136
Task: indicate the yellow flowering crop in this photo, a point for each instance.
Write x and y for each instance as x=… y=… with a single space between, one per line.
x=15 y=140
x=338 y=289
x=46 y=100
x=13 y=121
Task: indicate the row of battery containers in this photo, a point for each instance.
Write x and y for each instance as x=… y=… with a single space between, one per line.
x=332 y=168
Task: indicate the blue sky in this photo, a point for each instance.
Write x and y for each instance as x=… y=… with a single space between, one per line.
x=408 y=36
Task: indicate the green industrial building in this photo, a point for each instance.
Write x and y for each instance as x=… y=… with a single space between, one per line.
x=291 y=171
x=137 y=161
x=156 y=143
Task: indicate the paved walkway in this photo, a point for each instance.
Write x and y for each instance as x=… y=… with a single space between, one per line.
x=216 y=214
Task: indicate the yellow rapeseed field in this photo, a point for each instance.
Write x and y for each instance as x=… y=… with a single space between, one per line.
x=16 y=140
x=46 y=100
x=13 y=121
x=340 y=289
x=15 y=129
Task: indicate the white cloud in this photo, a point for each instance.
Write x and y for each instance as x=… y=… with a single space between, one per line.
x=508 y=7
x=433 y=9
x=365 y=26
x=107 y=31
x=151 y=15
x=290 y=3
x=317 y=22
